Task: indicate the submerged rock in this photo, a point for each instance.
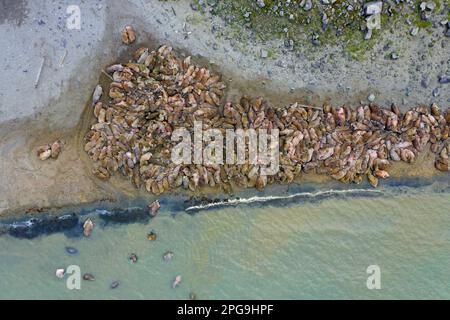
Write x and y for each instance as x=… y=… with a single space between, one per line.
x=71 y=250
x=88 y=277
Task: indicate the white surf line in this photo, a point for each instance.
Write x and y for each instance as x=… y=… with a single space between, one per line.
x=269 y=198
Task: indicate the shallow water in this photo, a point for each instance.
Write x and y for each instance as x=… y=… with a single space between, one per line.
x=304 y=248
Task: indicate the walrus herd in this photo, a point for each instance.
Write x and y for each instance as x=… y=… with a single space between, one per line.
x=157 y=92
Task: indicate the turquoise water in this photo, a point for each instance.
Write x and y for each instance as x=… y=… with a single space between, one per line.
x=297 y=250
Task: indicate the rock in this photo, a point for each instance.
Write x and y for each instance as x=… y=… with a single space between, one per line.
x=194 y=6
x=394 y=56
x=289 y=43
x=425 y=82
x=423 y=6
x=308 y=5
x=114 y=284
x=373 y=7
x=444 y=79
x=371 y=97
x=436 y=92
x=60 y=273
x=315 y=40
x=430 y=5
x=88 y=277
x=368 y=34
x=260 y=3
x=414 y=31
x=71 y=250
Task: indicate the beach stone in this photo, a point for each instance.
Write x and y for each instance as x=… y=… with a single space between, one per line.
x=260 y=3
x=308 y=5
x=444 y=79
x=436 y=92
x=373 y=7
x=425 y=82
x=430 y=5
x=423 y=6
x=414 y=31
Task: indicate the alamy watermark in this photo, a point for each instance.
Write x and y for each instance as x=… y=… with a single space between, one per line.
x=73 y=21
x=372 y=11
x=263 y=148
x=73 y=274
x=374 y=280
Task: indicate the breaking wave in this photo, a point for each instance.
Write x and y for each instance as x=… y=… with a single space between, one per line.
x=307 y=196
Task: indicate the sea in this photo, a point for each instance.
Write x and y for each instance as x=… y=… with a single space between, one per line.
x=296 y=242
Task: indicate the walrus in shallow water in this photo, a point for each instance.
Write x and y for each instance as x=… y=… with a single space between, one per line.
x=168 y=256
x=176 y=282
x=151 y=236
x=88 y=226
x=133 y=258
x=60 y=273
x=154 y=207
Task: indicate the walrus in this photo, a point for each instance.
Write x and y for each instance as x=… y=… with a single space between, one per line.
x=176 y=282
x=88 y=226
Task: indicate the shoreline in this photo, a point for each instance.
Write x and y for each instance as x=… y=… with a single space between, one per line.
x=70 y=219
